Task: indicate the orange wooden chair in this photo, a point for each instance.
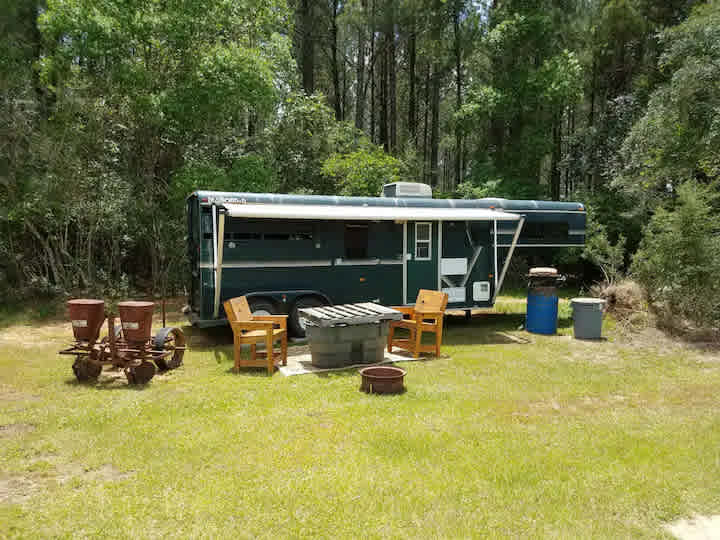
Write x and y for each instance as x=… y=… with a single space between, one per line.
x=253 y=329
x=425 y=316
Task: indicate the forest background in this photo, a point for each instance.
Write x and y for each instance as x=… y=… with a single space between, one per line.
x=113 y=111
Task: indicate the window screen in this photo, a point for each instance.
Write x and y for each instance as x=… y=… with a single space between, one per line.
x=423 y=241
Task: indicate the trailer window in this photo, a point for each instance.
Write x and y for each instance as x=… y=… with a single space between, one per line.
x=277 y=236
x=245 y=236
x=547 y=232
x=356 y=241
x=423 y=241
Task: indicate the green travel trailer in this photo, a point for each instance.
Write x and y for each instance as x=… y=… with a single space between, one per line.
x=285 y=252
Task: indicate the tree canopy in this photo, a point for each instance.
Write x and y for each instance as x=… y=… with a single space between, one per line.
x=111 y=112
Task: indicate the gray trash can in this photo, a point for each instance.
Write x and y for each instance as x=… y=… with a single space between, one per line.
x=587 y=317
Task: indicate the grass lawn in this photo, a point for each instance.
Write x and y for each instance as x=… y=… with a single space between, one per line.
x=508 y=435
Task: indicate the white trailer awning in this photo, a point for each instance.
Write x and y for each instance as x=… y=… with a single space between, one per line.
x=366 y=213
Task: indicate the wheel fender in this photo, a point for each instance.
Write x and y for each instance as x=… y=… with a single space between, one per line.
x=262 y=296
x=161 y=335
x=313 y=294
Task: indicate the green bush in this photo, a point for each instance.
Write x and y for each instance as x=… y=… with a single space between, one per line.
x=678 y=262
x=362 y=172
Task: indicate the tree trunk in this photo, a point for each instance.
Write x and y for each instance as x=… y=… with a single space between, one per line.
x=435 y=130
x=307 y=46
x=458 y=88
x=334 y=68
x=425 y=121
x=58 y=279
x=412 y=106
x=383 y=128
x=373 y=88
x=555 y=161
x=392 y=80
x=360 y=74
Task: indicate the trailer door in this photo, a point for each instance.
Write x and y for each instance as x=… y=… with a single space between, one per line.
x=466 y=269
x=421 y=252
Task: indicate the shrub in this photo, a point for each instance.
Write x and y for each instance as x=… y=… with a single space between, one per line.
x=362 y=172
x=678 y=262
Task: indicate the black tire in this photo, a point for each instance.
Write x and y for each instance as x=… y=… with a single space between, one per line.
x=297 y=329
x=167 y=339
x=141 y=374
x=86 y=370
x=260 y=306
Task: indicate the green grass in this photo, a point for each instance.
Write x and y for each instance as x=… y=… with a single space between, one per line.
x=510 y=435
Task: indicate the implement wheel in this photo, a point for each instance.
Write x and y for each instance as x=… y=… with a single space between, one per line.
x=169 y=339
x=141 y=374
x=85 y=370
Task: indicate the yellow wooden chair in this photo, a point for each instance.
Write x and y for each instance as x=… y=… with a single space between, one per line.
x=253 y=329
x=425 y=316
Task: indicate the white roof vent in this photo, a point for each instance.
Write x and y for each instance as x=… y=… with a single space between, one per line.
x=407 y=190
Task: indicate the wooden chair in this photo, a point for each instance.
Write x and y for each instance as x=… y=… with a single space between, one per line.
x=425 y=316
x=253 y=330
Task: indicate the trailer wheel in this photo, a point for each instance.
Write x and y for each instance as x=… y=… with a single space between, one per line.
x=141 y=374
x=169 y=339
x=295 y=321
x=85 y=370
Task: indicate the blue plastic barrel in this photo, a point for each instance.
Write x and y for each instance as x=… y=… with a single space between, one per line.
x=542 y=311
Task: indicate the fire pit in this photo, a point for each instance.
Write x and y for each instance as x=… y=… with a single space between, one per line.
x=382 y=380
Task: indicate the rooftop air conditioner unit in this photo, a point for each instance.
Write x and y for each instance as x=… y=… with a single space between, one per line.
x=407 y=190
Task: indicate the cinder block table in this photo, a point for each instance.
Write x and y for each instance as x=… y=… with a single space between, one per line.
x=348 y=334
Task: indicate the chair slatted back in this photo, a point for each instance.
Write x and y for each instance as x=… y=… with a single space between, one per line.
x=238 y=309
x=431 y=300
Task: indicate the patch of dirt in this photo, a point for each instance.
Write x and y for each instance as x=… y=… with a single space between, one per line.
x=18 y=488
x=8 y=394
x=59 y=330
x=695 y=528
x=104 y=473
x=14 y=430
x=581 y=405
x=37 y=335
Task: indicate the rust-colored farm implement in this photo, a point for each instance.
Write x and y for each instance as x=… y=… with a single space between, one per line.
x=129 y=345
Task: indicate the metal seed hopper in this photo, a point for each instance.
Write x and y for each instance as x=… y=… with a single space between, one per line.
x=129 y=345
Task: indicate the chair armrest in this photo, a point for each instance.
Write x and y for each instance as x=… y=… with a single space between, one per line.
x=280 y=320
x=405 y=310
x=244 y=326
x=421 y=315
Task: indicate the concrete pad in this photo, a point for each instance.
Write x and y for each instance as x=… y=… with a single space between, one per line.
x=302 y=364
x=696 y=528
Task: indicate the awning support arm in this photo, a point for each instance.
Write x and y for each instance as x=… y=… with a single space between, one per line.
x=508 y=258
x=470 y=267
x=218 y=272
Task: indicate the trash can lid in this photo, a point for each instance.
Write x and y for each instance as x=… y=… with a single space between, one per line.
x=587 y=301
x=543 y=272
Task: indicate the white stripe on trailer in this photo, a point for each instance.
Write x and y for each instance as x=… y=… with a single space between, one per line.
x=365 y=213
x=540 y=245
x=218 y=270
x=272 y=264
x=495 y=276
x=439 y=265
x=404 y=261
